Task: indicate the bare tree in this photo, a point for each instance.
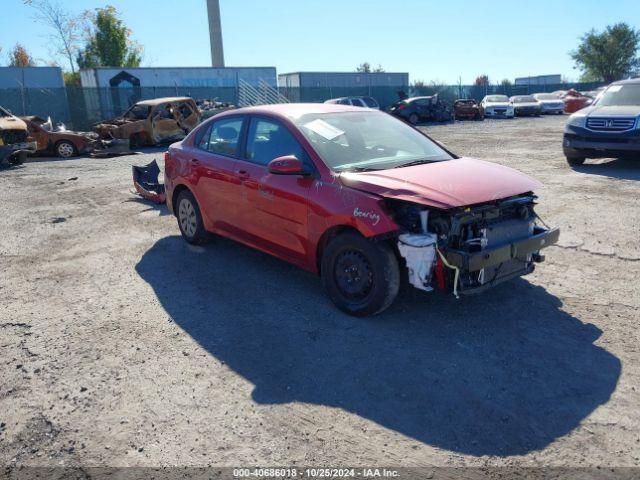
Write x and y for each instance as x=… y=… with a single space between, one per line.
x=67 y=28
x=365 y=67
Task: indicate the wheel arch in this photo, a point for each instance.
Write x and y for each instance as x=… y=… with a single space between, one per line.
x=174 y=196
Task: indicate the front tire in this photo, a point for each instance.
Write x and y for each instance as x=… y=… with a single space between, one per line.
x=414 y=119
x=190 y=219
x=65 y=149
x=361 y=277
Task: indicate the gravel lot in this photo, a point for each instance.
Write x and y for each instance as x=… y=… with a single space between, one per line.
x=120 y=345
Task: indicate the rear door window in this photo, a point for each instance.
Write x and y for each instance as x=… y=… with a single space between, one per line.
x=223 y=137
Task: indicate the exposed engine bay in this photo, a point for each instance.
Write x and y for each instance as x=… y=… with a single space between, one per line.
x=469 y=249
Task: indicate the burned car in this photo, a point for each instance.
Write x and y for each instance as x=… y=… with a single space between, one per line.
x=153 y=122
x=58 y=140
x=467 y=109
x=418 y=109
x=357 y=197
x=14 y=142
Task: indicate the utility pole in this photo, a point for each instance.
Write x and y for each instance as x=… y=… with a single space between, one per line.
x=215 y=33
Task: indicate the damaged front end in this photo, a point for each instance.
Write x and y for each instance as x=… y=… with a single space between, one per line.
x=469 y=249
x=15 y=146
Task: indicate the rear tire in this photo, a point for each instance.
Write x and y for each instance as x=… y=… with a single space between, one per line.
x=575 y=161
x=361 y=277
x=190 y=219
x=414 y=119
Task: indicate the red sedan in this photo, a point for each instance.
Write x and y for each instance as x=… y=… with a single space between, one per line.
x=356 y=196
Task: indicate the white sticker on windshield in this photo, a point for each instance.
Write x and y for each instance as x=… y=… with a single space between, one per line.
x=324 y=129
x=615 y=88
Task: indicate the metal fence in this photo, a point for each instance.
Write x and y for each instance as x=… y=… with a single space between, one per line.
x=80 y=108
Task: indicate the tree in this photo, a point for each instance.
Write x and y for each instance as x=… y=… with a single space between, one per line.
x=108 y=42
x=366 y=68
x=482 y=80
x=67 y=28
x=19 y=57
x=610 y=55
x=506 y=82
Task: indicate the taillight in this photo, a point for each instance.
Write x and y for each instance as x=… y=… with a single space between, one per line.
x=402 y=106
x=167 y=157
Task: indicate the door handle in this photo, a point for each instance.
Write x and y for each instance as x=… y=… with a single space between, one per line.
x=243 y=174
x=195 y=162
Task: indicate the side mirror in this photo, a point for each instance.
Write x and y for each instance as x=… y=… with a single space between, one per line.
x=287 y=165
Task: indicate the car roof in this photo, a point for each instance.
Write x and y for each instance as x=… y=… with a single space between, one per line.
x=630 y=81
x=296 y=110
x=157 y=101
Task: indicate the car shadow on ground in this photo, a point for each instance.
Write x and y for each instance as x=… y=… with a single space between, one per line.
x=503 y=373
x=161 y=208
x=621 y=168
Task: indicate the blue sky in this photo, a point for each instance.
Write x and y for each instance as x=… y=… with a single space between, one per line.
x=504 y=39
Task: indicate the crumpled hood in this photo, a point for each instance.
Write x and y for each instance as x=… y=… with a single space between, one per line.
x=612 y=111
x=12 y=123
x=453 y=183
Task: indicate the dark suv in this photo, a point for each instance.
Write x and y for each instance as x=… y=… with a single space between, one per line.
x=609 y=128
x=417 y=109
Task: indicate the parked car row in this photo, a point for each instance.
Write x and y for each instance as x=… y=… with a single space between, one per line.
x=431 y=108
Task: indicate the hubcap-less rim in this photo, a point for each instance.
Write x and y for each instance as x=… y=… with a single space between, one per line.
x=65 y=149
x=187 y=217
x=353 y=274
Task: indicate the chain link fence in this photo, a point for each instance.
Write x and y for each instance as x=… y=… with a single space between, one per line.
x=81 y=108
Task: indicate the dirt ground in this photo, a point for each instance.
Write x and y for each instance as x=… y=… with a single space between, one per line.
x=120 y=345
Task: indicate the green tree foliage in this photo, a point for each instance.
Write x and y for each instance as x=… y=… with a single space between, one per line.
x=108 y=43
x=506 y=82
x=610 y=55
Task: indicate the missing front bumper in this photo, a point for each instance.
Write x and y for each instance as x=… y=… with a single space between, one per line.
x=496 y=265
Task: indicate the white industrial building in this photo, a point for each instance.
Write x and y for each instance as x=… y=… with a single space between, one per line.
x=539 y=80
x=110 y=77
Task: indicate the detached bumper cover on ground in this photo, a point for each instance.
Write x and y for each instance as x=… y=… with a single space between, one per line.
x=145 y=181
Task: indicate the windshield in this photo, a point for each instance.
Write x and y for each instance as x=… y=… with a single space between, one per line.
x=546 y=96
x=523 y=99
x=497 y=98
x=621 y=95
x=138 y=112
x=370 y=102
x=367 y=141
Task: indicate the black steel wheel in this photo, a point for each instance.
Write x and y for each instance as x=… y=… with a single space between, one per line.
x=360 y=276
